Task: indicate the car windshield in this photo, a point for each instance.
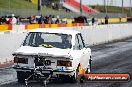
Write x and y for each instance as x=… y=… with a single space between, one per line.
x=48 y=40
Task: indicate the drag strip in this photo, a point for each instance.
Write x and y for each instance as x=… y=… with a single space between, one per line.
x=107 y=58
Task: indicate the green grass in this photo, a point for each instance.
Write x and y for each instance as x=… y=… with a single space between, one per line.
x=19 y=4
x=25 y=8
x=111 y=9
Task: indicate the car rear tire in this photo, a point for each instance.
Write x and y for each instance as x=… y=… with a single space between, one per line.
x=81 y=79
x=74 y=78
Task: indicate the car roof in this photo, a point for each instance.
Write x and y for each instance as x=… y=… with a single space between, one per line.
x=56 y=30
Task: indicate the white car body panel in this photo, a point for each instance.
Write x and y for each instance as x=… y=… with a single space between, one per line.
x=27 y=50
x=77 y=57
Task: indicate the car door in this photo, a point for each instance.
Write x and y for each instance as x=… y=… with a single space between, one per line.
x=84 y=59
x=77 y=52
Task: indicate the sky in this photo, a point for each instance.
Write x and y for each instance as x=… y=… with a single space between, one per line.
x=109 y=2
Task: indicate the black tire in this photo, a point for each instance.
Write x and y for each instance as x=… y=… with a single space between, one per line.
x=21 y=76
x=75 y=76
x=81 y=79
x=73 y=79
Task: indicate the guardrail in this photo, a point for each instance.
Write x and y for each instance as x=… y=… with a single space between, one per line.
x=113 y=20
x=17 y=28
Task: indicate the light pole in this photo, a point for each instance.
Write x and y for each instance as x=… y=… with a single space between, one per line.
x=122 y=6
x=9 y=5
x=105 y=7
x=80 y=7
x=130 y=7
x=39 y=7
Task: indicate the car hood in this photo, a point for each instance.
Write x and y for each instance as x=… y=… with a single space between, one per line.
x=56 y=52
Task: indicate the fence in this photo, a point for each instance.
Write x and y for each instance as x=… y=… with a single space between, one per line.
x=61 y=13
x=29 y=12
x=33 y=26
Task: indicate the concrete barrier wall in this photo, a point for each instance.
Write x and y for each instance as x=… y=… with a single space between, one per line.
x=18 y=28
x=106 y=33
x=92 y=35
x=8 y=44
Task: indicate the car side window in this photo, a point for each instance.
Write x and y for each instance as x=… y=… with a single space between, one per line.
x=76 y=43
x=79 y=42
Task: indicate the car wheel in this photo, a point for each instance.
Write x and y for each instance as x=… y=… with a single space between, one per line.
x=81 y=79
x=75 y=76
x=73 y=79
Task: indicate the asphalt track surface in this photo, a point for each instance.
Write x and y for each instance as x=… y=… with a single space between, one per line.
x=107 y=58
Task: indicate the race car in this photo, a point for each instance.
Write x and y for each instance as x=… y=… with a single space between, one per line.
x=57 y=53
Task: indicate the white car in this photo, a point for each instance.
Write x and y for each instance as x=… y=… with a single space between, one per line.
x=58 y=52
